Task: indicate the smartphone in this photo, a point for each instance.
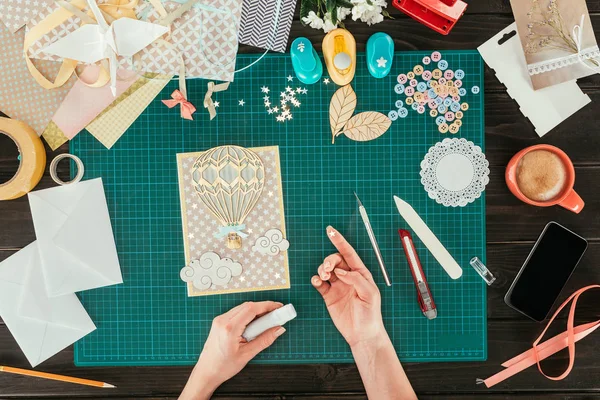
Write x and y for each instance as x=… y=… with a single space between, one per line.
x=545 y=272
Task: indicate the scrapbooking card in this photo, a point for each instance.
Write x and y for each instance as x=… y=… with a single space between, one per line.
x=231 y=191
x=206 y=37
x=558 y=40
x=267 y=23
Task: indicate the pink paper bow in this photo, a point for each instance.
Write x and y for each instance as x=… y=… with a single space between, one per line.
x=187 y=108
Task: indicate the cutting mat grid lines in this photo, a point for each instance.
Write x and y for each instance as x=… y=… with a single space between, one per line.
x=149 y=320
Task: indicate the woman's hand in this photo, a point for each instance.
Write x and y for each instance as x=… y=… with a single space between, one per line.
x=350 y=293
x=226 y=352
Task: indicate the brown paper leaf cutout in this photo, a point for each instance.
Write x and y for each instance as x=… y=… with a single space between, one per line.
x=367 y=126
x=341 y=108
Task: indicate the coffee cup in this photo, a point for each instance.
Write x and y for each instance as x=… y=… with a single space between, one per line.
x=567 y=197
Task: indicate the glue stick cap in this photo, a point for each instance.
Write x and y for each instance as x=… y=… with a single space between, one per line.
x=287 y=312
x=482 y=270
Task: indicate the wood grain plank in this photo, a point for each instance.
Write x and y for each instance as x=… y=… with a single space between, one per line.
x=506 y=339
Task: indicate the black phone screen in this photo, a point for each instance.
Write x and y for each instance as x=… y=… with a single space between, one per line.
x=546 y=271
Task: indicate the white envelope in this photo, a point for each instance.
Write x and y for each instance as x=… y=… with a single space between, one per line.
x=41 y=325
x=75 y=238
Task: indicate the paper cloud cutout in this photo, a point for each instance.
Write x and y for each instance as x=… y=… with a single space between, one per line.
x=210 y=270
x=272 y=243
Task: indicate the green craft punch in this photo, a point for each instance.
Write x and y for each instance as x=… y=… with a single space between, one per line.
x=306 y=61
x=380 y=54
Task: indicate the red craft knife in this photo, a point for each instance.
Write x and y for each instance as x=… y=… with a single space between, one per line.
x=423 y=292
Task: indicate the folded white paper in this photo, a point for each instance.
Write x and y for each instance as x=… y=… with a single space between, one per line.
x=545 y=108
x=94 y=42
x=41 y=325
x=75 y=238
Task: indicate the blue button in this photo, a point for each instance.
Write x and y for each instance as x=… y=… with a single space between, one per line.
x=431 y=93
x=440 y=120
x=402 y=112
x=415 y=105
x=439 y=100
x=475 y=89
x=443 y=65
x=422 y=87
x=462 y=92
x=447 y=101
x=442 y=109
x=393 y=115
x=459 y=74
x=399 y=103
x=455 y=107
x=399 y=88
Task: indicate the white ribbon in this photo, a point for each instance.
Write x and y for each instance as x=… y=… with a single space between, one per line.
x=578 y=38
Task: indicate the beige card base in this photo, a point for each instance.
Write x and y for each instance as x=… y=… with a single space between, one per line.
x=262 y=270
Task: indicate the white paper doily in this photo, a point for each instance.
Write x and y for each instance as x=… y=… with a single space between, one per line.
x=455 y=172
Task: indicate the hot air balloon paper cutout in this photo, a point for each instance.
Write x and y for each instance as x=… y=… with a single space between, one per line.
x=261 y=270
x=229 y=181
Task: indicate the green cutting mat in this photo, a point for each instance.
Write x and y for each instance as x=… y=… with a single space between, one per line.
x=149 y=320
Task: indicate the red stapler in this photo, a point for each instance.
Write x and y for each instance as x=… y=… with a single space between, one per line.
x=439 y=15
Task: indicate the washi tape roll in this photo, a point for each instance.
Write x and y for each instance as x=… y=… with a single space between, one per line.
x=33 y=159
x=54 y=165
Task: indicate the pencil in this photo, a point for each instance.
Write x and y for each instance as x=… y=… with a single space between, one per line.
x=54 y=377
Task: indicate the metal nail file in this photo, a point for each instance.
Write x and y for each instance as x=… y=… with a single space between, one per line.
x=428 y=238
x=365 y=218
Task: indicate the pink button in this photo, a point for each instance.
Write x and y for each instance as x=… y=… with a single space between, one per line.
x=413 y=82
x=449 y=74
x=402 y=79
x=409 y=91
x=436 y=56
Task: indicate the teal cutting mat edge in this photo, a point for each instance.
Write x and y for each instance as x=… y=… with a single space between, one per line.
x=91 y=149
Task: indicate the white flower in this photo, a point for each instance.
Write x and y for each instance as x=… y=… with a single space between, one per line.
x=342 y=13
x=328 y=25
x=313 y=20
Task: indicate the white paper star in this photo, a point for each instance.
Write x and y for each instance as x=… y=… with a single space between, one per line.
x=191 y=236
x=270 y=194
x=241 y=102
x=280 y=118
x=331 y=233
x=275 y=109
x=381 y=62
x=290 y=78
x=250 y=231
x=194 y=206
x=289 y=89
x=304 y=91
x=216 y=103
x=277 y=275
x=264 y=89
x=242 y=279
x=270 y=111
x=326 y=81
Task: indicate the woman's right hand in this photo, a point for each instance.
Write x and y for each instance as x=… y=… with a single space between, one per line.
x=351 y=295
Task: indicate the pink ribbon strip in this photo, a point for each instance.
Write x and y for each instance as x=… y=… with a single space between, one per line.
x=187 y=108
x=542 y=351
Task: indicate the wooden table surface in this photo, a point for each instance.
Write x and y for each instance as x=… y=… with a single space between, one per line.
x=512 y=227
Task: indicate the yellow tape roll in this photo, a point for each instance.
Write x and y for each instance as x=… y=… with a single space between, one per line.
x=33 y=159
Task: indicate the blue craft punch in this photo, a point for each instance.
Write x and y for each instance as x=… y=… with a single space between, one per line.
x=380 y=54
x=306 y=61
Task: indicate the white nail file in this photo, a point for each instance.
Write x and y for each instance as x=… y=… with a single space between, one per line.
x=274 y=318
x=428 y=238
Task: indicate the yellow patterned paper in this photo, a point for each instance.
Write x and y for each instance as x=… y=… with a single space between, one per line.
x=54 y=136
x=110 y=125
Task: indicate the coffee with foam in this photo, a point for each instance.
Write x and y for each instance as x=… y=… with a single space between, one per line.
x=541 y=175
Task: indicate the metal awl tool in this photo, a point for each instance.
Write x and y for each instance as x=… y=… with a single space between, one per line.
x=365 y=218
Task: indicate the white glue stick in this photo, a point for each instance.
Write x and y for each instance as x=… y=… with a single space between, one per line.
x=274 y=318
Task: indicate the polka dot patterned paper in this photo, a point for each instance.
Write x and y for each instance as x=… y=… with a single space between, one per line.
x=21 y=97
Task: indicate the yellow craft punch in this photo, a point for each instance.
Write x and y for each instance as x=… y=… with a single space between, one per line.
x=339 y=51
